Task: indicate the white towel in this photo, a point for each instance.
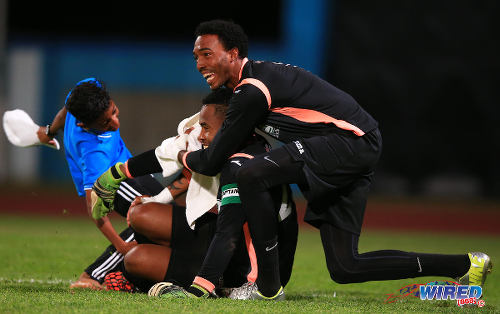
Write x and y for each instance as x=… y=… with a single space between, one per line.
x=21 y=130
x=202 y=190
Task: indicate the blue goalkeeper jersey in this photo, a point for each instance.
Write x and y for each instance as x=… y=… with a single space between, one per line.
x=89 y=154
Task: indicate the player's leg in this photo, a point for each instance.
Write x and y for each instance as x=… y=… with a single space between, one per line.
x=254 y=179
x=110 y=260
x=288 y=230
x=346 y=265
x=189 y=247
x=154 y=221
x=339 y=223
x=147 y=264
x=131 y=188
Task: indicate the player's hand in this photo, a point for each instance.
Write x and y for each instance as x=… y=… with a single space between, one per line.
x=100 y=207
x=43 y=137
x=138 y=200
x=104 y=190
x=126 y=246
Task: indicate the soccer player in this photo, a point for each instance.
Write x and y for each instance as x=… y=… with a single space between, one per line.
x=92 y=144
x=231 y=217
x=331 y=148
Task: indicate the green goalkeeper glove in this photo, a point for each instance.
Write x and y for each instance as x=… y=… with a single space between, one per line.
x=104 y=190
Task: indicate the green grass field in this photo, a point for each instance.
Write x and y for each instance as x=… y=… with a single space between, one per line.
x=41 y=256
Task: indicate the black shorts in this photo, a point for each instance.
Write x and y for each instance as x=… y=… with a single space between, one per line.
x=338 y=170
x=110 y=260
x=130 y=188
x=189 y=247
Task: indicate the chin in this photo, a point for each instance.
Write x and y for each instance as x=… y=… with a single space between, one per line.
x=215 y=85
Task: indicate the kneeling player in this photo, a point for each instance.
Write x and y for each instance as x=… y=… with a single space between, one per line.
x=224 y=261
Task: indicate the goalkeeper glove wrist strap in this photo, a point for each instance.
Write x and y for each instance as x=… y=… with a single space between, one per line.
x=117 y=173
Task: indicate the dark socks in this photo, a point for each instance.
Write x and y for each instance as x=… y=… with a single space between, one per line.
x=268 y=279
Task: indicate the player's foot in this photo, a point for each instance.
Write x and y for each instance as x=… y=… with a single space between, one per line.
x=250 y=291
x=243 y=292
x=86 y=282
x=169 y=290
x=480 y=267
x=117 y=282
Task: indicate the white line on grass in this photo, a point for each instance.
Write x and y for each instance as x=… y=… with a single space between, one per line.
x=31 y=280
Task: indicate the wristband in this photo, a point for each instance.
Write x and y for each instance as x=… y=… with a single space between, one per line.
x=47 y=131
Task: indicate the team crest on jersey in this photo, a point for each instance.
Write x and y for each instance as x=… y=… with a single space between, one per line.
x=274 y=132
x=230 y=194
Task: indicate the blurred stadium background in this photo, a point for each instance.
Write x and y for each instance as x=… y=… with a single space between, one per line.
x=427 y=71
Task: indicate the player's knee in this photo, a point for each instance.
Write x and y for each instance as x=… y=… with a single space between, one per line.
x=340 y=277
x=342 y=273
x=248 y=177
x=137 y=216
x=133 y=260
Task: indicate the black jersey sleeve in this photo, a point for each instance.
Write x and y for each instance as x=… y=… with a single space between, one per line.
x=145 y=163
x=229 y=225
x=248 y=108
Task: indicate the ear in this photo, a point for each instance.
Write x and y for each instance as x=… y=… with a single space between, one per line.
x=234 y=53
x=82 y=125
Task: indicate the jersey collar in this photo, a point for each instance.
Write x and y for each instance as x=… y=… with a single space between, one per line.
x=245 y=60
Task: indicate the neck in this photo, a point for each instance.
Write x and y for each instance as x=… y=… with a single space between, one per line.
x=236 y=72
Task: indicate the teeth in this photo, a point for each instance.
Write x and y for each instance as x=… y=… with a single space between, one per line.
x=207 y=75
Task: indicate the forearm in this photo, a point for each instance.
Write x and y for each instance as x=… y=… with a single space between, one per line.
x=59 y=121
x=142 y=164
x=46 y=136
x=105 y=226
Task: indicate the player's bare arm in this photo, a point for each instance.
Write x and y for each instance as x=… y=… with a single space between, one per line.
x=105 y=226
x=47 y=133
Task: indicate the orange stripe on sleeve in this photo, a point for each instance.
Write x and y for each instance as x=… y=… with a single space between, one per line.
x=259 y=85
x=241 y=155
x=313 y=116
x=127 y=173
x=184 y=161
x=252 y=275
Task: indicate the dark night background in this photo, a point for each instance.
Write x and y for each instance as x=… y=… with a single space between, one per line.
x=426 y=70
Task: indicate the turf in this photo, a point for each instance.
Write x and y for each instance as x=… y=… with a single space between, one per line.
x=41 y=256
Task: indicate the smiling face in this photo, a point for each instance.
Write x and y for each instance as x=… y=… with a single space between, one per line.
x=210 y=121
x=217 y=65
x=107 y=121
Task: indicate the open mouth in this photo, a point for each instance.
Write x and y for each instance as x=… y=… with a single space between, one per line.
x=209 y=77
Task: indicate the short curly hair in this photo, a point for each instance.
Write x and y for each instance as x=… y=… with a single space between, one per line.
x=230 y=34
x=88 y=101
x=219 y=98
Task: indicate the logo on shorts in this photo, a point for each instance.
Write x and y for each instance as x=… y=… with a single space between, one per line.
x=299 y=147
